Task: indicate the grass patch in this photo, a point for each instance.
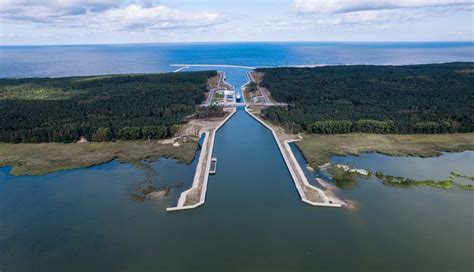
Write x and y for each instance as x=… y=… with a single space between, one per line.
x=459 y=175
x=465 y=186
x=343 y=179
x=402 y=182
x=318 y=149
x=34 y=92
x=40 y=159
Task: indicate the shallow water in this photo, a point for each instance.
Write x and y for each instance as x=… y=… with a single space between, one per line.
x=253 y=219
x=435 y=168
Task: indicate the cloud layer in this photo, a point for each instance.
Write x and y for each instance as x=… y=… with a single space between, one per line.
x=122 y=21
x=346 y=6
x=380 y=14
x=105 y=14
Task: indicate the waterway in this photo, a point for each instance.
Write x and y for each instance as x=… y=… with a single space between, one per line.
x=253 y=219
x=236 y=75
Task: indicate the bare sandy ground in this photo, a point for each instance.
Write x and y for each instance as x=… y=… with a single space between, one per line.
x=330 y=190
x=195 y=127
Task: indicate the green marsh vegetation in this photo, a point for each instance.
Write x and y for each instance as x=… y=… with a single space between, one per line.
x=460 y=175
x=44 y=158
x=409 y=183
x=465 y=186
x=141 y=192
x=317 y=149
x=345 y=180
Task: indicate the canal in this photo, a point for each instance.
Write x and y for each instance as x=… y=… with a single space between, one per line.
x=253 y=219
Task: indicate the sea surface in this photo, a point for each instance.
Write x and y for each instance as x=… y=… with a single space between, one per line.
x=74 y=60
x=253 y=219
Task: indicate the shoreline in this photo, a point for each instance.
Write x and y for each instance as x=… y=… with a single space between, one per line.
x=46 y=158
x=213 y=65
x=317 y=149
x=196 y=195
x=308 y=193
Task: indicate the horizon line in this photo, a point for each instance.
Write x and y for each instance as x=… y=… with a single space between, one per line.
x=230 y=42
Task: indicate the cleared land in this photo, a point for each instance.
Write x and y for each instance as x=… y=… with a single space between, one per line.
x=318 y=149
x=258 y=76
x=40 y=159
x=213 y=82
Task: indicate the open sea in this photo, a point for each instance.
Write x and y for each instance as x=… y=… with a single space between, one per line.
x=75 y=60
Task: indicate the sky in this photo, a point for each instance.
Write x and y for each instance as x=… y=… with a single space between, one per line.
x=24 y=22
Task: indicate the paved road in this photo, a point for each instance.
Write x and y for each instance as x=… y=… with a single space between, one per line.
x=212 y=92
x=265 y=95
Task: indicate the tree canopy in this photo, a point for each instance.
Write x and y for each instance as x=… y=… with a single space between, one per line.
x=432 y=98
x=99 y=108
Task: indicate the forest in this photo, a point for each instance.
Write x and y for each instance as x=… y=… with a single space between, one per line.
x=99 y=108
x=431 y=98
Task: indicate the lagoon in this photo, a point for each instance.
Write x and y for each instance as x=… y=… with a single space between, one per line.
x=253 y=219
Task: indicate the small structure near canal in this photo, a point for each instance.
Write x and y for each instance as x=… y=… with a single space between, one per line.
x=213 y=167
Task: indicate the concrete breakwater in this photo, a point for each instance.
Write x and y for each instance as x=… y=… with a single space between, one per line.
x=196 y=195
x=308 y=193
x=212 y=65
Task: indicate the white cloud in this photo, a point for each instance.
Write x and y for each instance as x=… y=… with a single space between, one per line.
x=379 y=14
x=51 y=10
x=156 y=17
x=9 y=35
x=345 y=6
x=375 y=19
x=105 y=14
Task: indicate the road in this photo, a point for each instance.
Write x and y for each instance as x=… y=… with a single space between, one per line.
x=264 y=94
x=212 y=92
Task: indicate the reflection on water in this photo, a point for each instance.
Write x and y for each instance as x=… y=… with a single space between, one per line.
x=438 y=168
x=253 y=219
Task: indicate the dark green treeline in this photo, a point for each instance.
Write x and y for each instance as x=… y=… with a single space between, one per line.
x=434 y=98
x=100 y=108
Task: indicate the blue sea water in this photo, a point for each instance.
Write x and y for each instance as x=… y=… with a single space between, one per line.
x=74 y=60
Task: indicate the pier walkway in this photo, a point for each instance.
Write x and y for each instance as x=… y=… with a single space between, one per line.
x=308 y=193
x=196 y=195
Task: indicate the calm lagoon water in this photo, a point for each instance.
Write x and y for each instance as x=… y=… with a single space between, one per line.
x=253 y=219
